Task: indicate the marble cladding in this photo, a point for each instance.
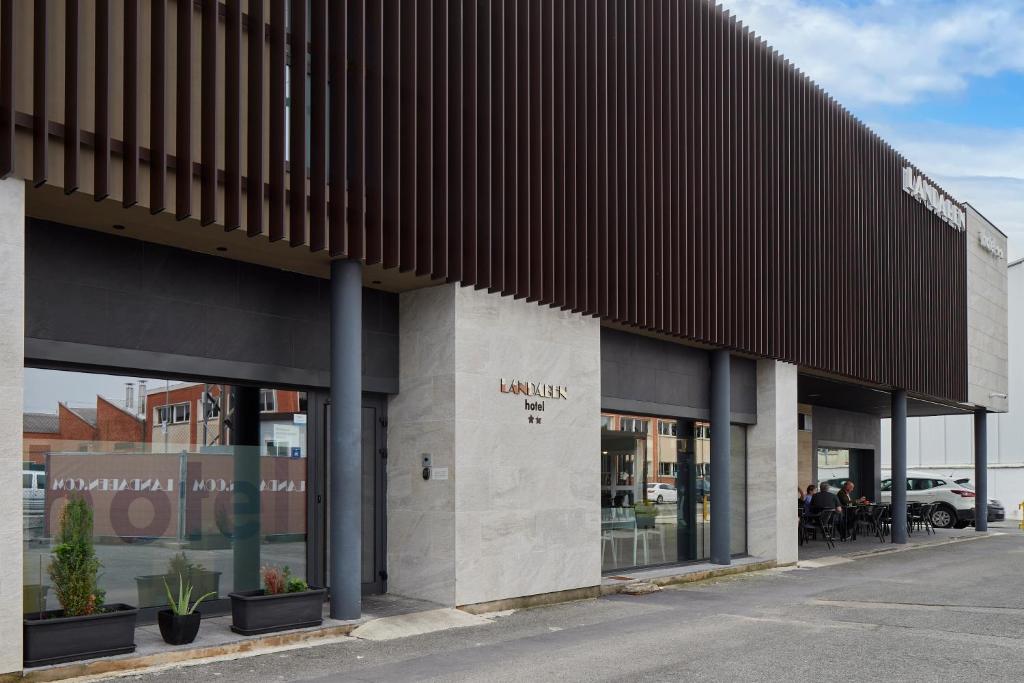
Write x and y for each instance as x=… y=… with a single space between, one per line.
x=987 y=312
x=12 y=361
x=421 y=419
x=772 y=464
x=518 y=514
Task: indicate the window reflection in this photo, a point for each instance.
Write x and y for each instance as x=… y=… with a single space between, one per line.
x=197 y=479
x=656 y=490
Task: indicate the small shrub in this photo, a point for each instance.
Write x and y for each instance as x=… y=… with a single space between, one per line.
x=75 y=568
x=277 y=581
x=180 y=565
x=295 y=585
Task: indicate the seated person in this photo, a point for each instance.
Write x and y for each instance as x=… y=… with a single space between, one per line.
x=825 y=500
x=808 y=496
x=845 y=499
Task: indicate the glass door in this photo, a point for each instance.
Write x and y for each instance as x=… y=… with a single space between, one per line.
x=374 y=455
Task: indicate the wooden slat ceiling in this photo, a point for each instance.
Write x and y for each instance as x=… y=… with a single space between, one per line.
x=651 y=162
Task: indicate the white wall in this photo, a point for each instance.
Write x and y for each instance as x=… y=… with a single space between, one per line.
x=772 y=465
x=987 y=352
x=520 y=512
x=12 y=361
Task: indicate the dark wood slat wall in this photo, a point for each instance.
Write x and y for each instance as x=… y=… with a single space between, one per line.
x=233 y=115
x=651 y=162
x=208 y=115
x=297 y=124
x=157 y=107
x=183 y=119
x=254 y=191
x=7 y=104
x=72 y=135
x=40 y=120
x=130 y=106
x=101 y=103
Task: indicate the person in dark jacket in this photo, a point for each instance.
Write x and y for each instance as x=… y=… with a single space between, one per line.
x=845 y=499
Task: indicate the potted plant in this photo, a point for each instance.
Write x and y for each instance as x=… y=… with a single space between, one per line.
x=284 y=603
x=646 y=514
x=151 y=586
x=180 y=623
x=84 y=627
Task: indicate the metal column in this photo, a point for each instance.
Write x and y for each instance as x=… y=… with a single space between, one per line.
x=245 y=451
x=346 y=492
x=721 y=448
x=980 y=470
x=899 y=466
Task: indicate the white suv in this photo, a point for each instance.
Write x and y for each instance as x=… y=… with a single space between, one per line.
x=955 y=501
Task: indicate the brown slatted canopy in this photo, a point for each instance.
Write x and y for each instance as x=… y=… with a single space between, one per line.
x=651 y=162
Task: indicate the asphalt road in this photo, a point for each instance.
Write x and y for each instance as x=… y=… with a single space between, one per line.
x=953 y=612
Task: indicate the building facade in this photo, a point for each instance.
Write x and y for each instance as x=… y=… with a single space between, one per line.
x=944 y=444
x=546 y=263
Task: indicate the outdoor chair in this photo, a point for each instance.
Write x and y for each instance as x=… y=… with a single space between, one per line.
x=807 y=527
x=914 y=512
x=825 y=522
x=864 y=523
x=925 y=522
x=880 y=522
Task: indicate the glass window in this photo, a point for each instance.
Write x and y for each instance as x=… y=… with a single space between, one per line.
x=886 y=485
x=633 y=424
x=268 y=401
x=656 y=491
x=26 y=481
x=666 y=428
x=169 y=496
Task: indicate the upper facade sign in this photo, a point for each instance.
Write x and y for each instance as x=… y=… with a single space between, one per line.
x=926 y=193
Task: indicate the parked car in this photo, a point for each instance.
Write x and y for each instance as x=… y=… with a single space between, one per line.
x=955 y=501
x=33 y=491
x=956 y=497
x=996 y=511
x=662 y=493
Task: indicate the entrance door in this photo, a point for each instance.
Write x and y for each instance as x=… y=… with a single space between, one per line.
x=374 y=452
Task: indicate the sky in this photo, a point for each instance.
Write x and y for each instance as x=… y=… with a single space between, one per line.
x=941 y=80
x=45 y=388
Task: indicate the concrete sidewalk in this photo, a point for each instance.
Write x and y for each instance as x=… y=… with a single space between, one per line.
x=933 y=613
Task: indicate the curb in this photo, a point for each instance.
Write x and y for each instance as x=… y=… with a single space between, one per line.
x=864 y=554
x=149 y=663
x=693 y=577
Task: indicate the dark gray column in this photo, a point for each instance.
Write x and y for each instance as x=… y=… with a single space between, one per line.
x=245 y=451
x=346 y=495
x=899 y=466
x=720 y=453
x=981 y=470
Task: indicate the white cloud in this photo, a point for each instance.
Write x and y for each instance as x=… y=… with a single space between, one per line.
x=891 y=51
x=982 y=166
x=894 y=52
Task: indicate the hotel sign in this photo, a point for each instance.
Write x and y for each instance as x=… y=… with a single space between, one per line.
x=989 y=244
x=926 y=193
x=537 y=390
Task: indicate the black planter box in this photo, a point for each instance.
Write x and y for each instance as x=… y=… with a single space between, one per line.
x=55 y=638
x=178 y=629
x=255 y=612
